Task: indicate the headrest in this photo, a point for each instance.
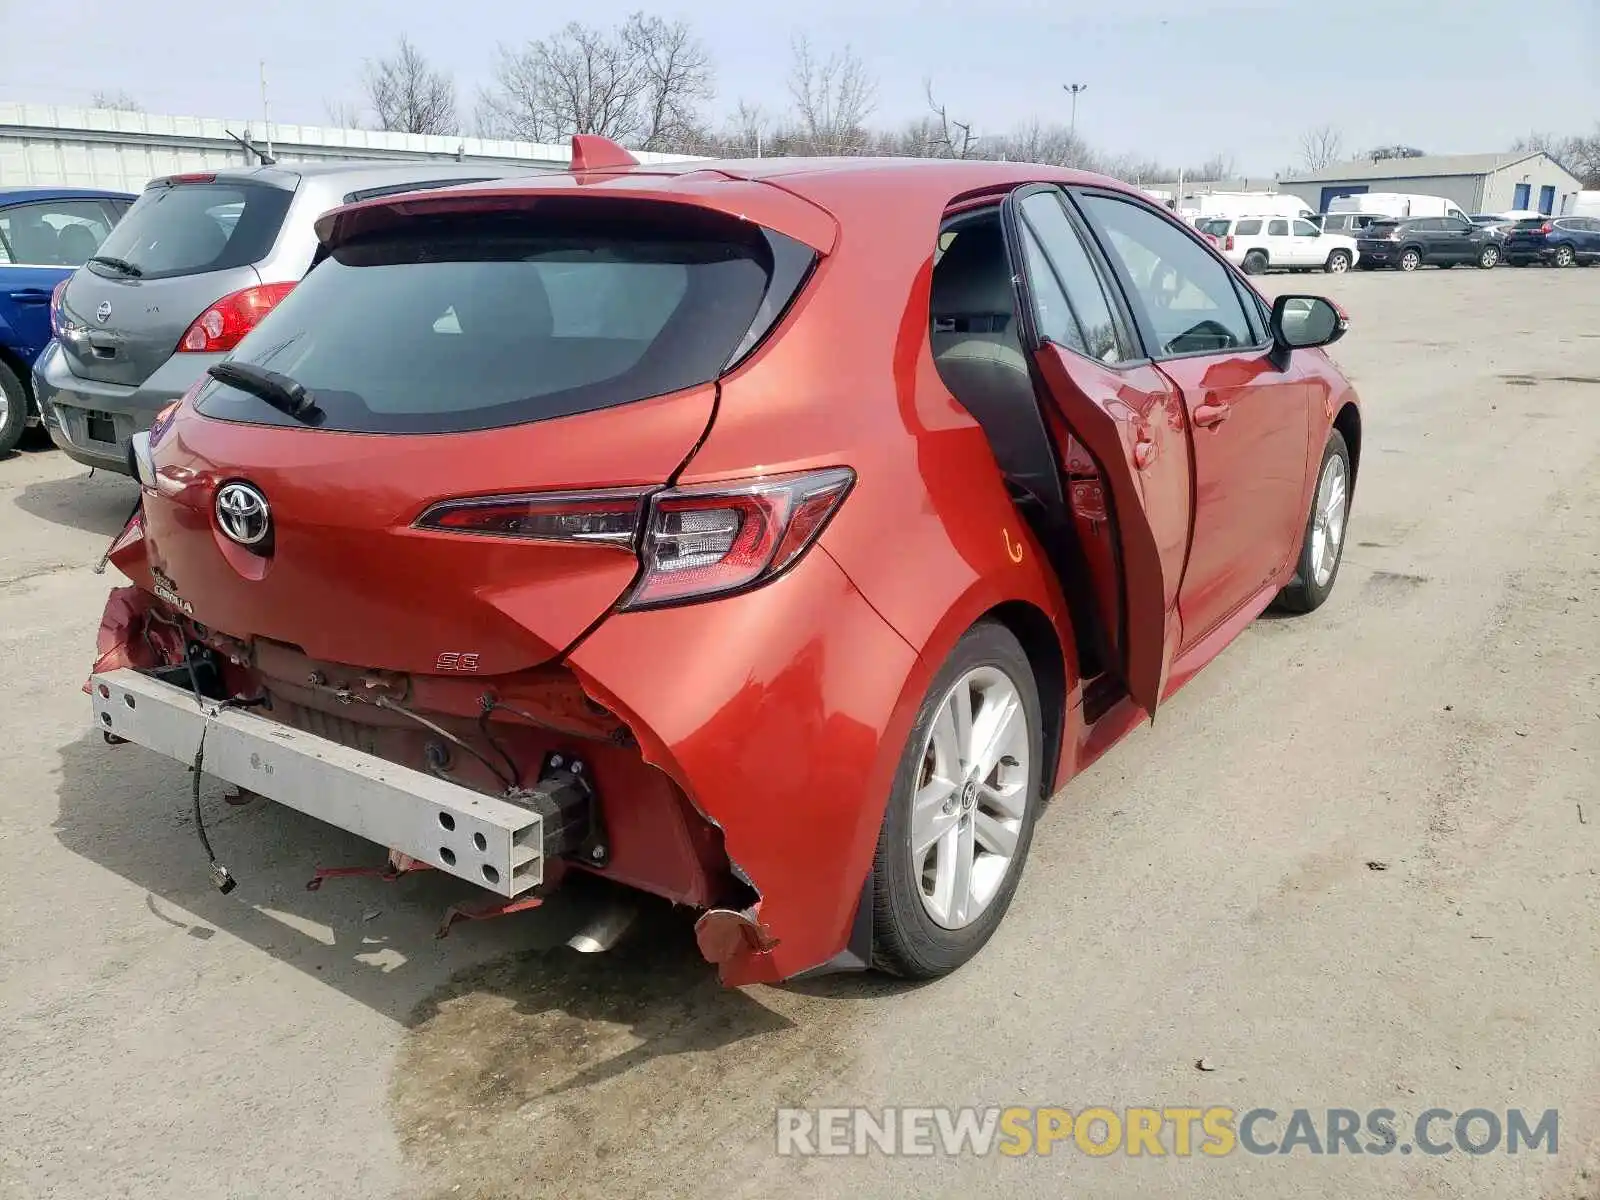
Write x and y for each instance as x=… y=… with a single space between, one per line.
x=973 y=277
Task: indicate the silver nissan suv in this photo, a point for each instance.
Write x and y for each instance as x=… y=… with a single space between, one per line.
x=193 y=266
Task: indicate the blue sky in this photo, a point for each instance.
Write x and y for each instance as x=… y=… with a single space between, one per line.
x=1177 y=81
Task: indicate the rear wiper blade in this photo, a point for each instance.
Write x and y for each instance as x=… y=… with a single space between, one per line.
x=117 y=264
x=276 y=388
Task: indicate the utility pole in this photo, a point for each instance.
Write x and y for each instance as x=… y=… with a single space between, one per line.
x=266 y=112
x=1073 y=89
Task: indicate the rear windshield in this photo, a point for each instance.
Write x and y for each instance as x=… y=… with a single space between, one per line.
x=480 y=322
x=1382 y=226
x=189 y=228
x=1217 y=228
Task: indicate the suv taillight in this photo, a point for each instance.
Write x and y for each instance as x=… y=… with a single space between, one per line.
x=1547 y=227
x=222 y=326
x=55 y=307
x=1228 y=245
x=693 y=542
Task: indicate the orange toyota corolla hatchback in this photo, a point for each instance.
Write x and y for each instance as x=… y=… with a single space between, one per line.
x=773 y=537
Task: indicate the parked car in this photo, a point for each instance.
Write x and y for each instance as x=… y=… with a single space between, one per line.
x=197 y=262
x=45 y=232
x=1559 y=241
x=1428 y=241
x=1267 y=243
x=543 y=528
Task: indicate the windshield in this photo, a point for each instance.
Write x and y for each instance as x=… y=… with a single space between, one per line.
x=491 y=321
x=188 y=228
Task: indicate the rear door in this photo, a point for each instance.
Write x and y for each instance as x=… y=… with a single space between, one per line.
x=1107 y=403
x=1280 y=246
x=1457 y=240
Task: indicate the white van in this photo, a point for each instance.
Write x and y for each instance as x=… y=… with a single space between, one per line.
x=1244 y=204
x=1584 y=204
x=1399 y=205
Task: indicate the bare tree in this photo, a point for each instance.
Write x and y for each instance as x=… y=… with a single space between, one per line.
x=1218 y=166
x=1320 y=147
x=947 y=138
x=832 y=99
x=1382 y=153
x=342 y=114
x=119 y=100
x=408 y=95
x=643 y=83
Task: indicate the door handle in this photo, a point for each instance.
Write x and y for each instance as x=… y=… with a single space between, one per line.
x=30 y=296
x=1207 y=415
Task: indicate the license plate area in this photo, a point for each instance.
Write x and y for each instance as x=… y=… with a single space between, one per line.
x=100 y=427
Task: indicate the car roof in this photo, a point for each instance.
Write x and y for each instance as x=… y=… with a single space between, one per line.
x=355 y=173
x=22 y=193
x=801 y=197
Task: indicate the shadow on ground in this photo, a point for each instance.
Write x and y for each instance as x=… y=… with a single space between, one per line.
x=97 y=503
x=525 y=1063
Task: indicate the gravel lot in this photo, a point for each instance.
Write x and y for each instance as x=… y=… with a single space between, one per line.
x=1202 y=892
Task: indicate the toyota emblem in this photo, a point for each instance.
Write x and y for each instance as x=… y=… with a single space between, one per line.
x=243 y=514
x=103 y=313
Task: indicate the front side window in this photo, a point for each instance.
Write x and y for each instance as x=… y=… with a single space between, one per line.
x=52 y=233
x=1186 y=294
x=1070 y=304
x=1304 y=229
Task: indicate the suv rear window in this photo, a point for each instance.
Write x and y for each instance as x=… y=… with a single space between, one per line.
x=479 y=322
x=189 y=228
x=1216 y=228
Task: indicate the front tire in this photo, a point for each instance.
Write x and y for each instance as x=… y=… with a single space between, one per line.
x=961 y=813
x=1255 y=263
x=1322 y=547
x=13 y=409
x=1410 y=260
x=1338 y=262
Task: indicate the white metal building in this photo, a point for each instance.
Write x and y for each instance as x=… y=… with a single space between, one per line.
x=1479 y=183
x=43 y=144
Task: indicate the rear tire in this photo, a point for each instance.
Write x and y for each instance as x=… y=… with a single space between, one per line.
x=1410 y=260
x=1489 y=258
x=13 y=409
x=1563 y=257
x=1254 y=263
x=1338 y=262
x=1318 y=567
x=970 y=812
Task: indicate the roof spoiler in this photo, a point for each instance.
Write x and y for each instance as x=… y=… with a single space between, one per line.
x=591 y=152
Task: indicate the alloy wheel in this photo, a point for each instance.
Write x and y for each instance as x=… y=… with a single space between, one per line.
x=1327 y=525
x=971 y=797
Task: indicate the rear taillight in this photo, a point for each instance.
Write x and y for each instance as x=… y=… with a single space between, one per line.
x=609 y=518
x=694 y=542
x=55 y=307
x=714 y=539
x=222 y=326
x=1547 y=228
x=1228 y=245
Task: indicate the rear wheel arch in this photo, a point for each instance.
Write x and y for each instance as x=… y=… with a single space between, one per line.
x=1348 y=423
x=1034 y=629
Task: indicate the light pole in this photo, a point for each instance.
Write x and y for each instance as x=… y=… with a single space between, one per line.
x=1073 y=89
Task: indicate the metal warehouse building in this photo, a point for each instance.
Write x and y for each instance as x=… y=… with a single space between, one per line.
x=1479 y=183
x=96 y=147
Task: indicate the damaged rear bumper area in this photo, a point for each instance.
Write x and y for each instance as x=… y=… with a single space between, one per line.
x=744 y=773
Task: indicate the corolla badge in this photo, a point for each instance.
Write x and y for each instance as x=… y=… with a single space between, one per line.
x=103 y=313
x=243 y=514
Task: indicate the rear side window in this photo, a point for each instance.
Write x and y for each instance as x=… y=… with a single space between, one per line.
x=479 y=322
x=189 y=228
x=1278 y=229
x=1248 y=228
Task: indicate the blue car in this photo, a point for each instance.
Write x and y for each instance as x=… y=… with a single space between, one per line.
x=46 y=233
x=1559 y=241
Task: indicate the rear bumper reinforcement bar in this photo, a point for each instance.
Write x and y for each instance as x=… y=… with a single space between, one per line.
x=484 y=840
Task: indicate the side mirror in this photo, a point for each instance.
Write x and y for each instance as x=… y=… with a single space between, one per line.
x=1301 y=322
